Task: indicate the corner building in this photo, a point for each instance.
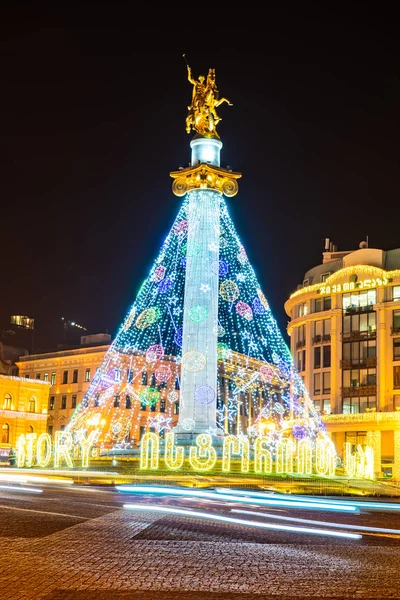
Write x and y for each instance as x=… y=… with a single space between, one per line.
x=345 y=339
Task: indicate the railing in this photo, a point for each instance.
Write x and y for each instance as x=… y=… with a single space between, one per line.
x=317 y=339
x=362 y=390
x=395 y=330
x=300 y=344
x=353 y=310
x=326 y=337
x=363 y=363
x=356 y=336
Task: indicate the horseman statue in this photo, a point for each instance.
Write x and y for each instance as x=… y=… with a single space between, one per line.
x=202 y=116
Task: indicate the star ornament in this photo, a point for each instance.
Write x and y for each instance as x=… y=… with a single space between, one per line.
x=205 y=287
x=160 y=423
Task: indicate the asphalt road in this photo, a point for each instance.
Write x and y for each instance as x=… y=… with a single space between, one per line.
x=72 y=541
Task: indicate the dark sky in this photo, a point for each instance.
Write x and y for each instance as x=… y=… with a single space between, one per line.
x=91 y=128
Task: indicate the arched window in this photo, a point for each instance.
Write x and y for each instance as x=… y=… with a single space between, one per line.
x=7 y=402
x=30 y=429
x=5 y=433
x=32 y=404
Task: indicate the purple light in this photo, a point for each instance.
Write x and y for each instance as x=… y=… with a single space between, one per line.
x=178 y=337
x=165 y=285
x=220 y=267
x=258 y=308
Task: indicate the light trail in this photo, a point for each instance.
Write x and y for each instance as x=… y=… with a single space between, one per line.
x=189 y=493
x=10 y=478
x=311 y=522
x=234 y=521
x=12 y=488
x=296 y=498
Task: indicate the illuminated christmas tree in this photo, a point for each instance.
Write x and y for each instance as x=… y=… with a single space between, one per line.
x=199 y=350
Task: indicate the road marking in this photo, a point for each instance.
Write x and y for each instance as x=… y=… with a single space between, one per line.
x=45 y=512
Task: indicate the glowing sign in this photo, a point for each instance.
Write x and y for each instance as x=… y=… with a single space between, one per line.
x=349 y=286
x=33 y=450
x=302 y=457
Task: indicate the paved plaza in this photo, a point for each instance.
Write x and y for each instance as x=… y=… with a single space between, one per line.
x=89 y=546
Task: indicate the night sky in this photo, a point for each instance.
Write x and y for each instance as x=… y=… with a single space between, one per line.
x=91 y=129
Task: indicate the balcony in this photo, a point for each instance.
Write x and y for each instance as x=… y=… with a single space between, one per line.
x=359 y=336
x=300 y=344
x=362 y=363
x=354 y=310
x=326 y=338
x=317 y=339
x=361 y=390
x=395 y=330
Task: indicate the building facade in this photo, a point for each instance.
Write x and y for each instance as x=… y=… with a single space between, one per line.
x=23 y=409
x=67 y=373
x=345 y=339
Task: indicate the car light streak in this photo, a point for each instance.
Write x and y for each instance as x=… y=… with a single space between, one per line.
x=14 y=488
x=234 y=521
x=171 y=491
x=288 y=497
x=311 y=522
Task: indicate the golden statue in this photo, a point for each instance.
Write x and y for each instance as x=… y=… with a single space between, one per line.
x=202 y=116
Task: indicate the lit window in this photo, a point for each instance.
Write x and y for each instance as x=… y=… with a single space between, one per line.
x=396 y=292
x=396 y=377
x=37 y=375
x=45 y=376
x=32 y=404
x=5 y=433
x=7 y=402
x=326 y=407
x=326 y=386
x=317 y=384
x=51 y=403
x=396 y=321
x=53 y=378
x=87 y=375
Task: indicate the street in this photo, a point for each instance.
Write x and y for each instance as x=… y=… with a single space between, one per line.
x=80 y=542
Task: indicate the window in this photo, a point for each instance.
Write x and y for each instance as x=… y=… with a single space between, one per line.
x=7 y=405
x=177 y=385
x=51 y=403
x=117 y=375
x=396 y=292
x=325 y=276
x=176 y=408
x=50 y=429
x=53 y=378
x=153 y=380
x=143 y=406
x=396 y=402
x=317 y=357
x=301 y=335
x=367 y=403
x=142 y=431
x=144 y=378
x=63 y=402
x=396 y=349
x=396 y=321
x=351 y=406
x=116 y=401
x=37 y=375
x=45 y=376
x=326 y=406
x=326 y=352
x=301 y=361
x=396 y=377
x=73 y=405
x=97 y=400
x=327 y=303
x=326 y=382
x=317 y=384
x=363 y=299
x=87 y=375
x=62 y=427
x=75 y=376
x=302 y=309
x=162 y=405
x=65 y=377
x=128 y=402
x=32 y=404
x=318 y=305
x=327 y=327
x=318 y=330
x=5 y=433
x=129 y=376
x=306 y=282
